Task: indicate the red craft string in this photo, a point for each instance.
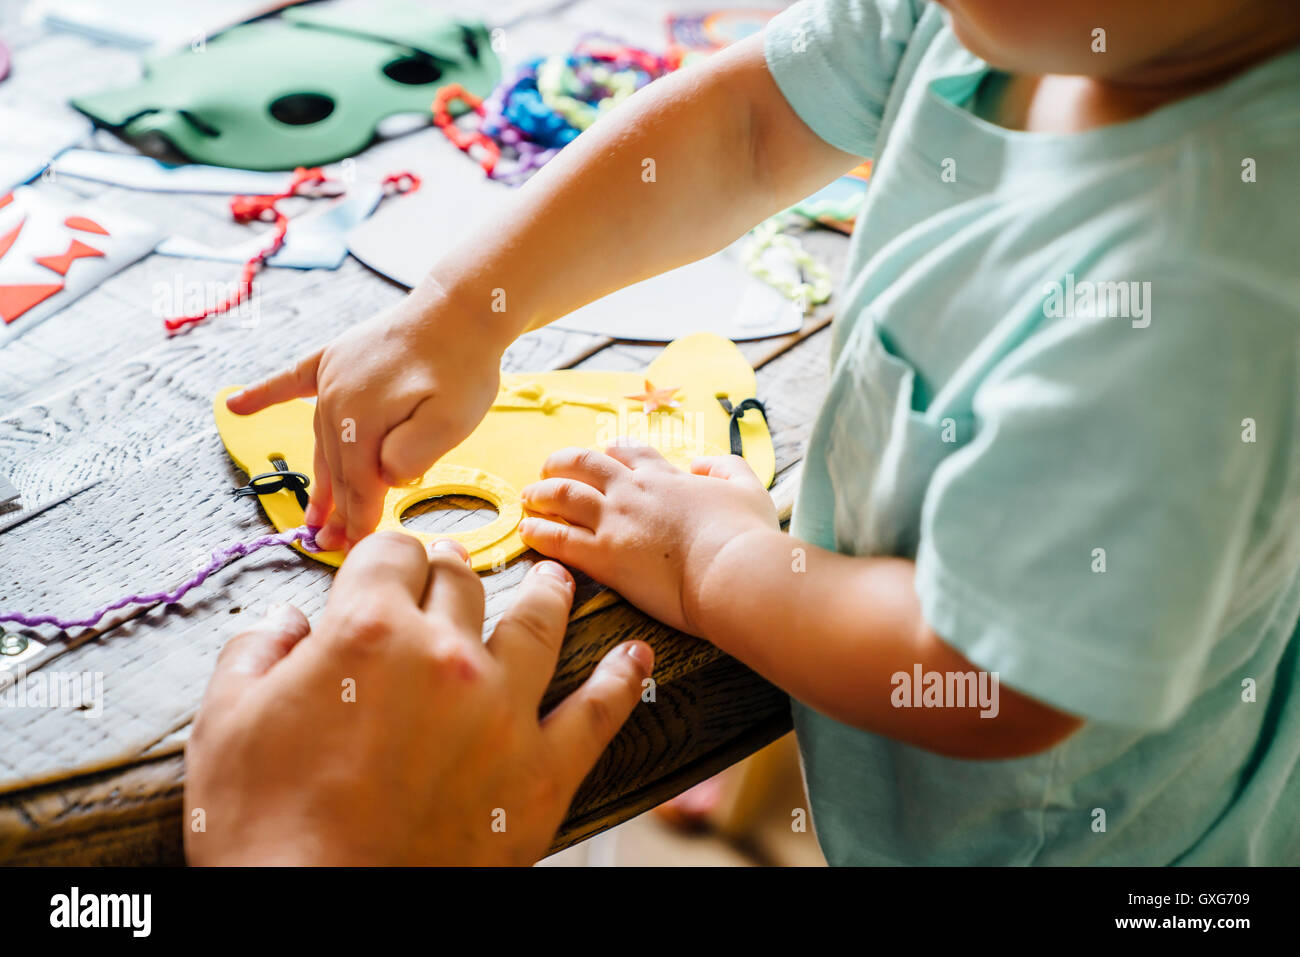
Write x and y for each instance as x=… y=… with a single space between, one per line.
x=247 y=209
x=464 y=140
x=622 y=56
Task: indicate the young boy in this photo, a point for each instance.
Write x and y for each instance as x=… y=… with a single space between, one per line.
x=1061 y=445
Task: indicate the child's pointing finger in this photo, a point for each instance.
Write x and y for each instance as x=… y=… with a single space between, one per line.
x=298 y=382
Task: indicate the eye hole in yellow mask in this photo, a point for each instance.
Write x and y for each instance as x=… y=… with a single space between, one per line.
x=533 y=416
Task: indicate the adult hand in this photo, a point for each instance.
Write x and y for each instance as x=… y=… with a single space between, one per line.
x=391 y=733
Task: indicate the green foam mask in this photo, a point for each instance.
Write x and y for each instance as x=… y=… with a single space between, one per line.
x=307 y=89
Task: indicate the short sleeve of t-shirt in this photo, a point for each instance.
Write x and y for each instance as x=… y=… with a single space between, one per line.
x=1087 y=544
x=835 y=62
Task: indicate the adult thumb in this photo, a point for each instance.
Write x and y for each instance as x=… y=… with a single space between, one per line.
x=256 y=649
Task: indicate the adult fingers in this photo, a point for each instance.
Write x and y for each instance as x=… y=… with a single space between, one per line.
x=254 y=651
x=575 y=502
x=386 y=569
x=583 y=724
x=453 y=597
x=296 y=382
x=584 y=465
x=527 y=639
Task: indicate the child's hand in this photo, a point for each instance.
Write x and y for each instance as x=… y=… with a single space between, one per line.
x=393 y=395
x=643 y=527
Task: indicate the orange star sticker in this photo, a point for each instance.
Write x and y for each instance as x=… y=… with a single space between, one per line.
x=652 y=399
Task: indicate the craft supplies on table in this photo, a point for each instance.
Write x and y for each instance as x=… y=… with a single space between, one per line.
x=545 y=103
x=714 y=29
x=696 y=398
x=315 y=240
x=322 y=236
x=836 y=204
x=768 y=255
x=51 y=253
x=675 y=405
x=151 y=519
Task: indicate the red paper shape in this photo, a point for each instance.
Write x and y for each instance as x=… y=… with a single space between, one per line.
x=62 y=263
x=6 y=199
x=85 y=225
x=8 y=238
x=15 y=300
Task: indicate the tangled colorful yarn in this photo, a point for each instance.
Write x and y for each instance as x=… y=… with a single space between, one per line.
x=545 y=102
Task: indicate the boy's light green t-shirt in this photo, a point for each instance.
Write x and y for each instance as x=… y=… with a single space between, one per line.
x=1065 y=382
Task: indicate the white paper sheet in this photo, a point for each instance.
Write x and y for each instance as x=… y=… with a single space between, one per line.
x=30 y=140
x=150 y=25
x=315 y=240
x=143 y=172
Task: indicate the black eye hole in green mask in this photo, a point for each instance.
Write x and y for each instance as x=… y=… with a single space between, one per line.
x=301 y=109
x=417 y=69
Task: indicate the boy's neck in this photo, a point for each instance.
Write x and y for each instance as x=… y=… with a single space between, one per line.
x=1197 y=67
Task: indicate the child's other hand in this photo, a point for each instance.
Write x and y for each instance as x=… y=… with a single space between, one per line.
x=393 y=395
x=643 y=527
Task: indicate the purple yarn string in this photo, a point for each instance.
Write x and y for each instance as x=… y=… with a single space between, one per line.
x=220 y=558
x=531 y=157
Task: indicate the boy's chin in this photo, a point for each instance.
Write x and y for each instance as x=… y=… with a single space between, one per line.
x=1009 y=61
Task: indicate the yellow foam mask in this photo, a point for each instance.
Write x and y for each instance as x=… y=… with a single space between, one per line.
x=533 y=416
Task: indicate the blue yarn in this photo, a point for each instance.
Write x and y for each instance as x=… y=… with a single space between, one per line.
x=522 y=105
x=525 y=109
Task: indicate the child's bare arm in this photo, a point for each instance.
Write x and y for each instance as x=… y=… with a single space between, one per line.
x=727 y=150
x=833 y=630
x=686 y=167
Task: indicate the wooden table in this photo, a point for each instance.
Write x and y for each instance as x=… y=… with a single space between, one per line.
x=103 y=415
